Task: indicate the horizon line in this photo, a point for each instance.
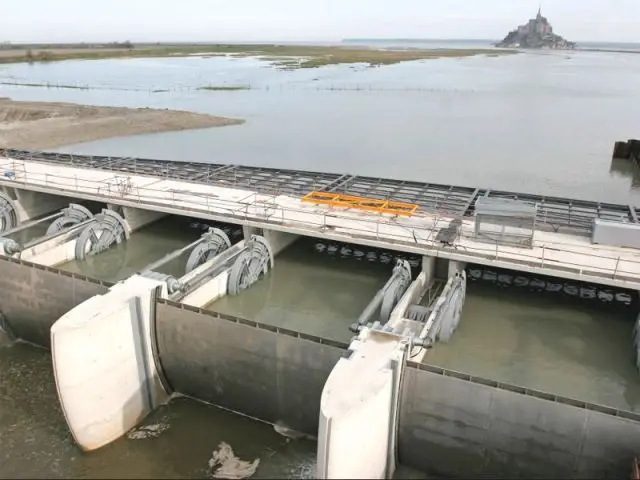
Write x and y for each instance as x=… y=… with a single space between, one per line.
x=299 y=41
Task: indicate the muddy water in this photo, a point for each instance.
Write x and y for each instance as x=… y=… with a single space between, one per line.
x=572 y=348
x=311 y=293
x=178 y=441
x=28 y=234
x=145 y=246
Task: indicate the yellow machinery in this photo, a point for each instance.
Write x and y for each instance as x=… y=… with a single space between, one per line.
x=360 y=203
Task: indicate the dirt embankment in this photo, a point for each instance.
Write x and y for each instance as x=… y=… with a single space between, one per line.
x=41 y=125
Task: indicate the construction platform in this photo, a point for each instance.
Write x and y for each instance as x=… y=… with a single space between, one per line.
x=442 y=220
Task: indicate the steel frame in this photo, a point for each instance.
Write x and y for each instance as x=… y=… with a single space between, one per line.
x=554 y=213
x=361 y=203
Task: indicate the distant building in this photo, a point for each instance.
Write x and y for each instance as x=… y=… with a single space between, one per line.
x=536 y=33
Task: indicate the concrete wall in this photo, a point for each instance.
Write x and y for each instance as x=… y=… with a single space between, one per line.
x=278 y=241
x=138 y=218
x=429 y=268
x=441 y=268
x=213 y=286
x=33 y=204
x=208 y=292
x=54 y=251
x=466 y=427
x=248 y=230
x=358 y=412
x=104 y=364
x=56 y=254
x=33 y=297
x=456 y=267
x=272 y=374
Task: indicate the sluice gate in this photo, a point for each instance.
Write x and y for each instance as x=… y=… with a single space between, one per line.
x=418 y=415
x=120 y=350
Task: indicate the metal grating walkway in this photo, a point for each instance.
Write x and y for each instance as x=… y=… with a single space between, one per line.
x=553 y=212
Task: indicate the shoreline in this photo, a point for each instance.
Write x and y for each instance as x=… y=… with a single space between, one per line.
x=41 y=125
x=287 y=57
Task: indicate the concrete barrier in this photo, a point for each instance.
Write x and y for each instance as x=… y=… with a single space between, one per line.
x=213 y=286
x=209 y=291
x=29 y=204
x=54 y=251
x=269 y=373
x=33 y=297
x=359 y=409
x=279 y=240
x=103 y=362
x=452 y=424
x=138 y=218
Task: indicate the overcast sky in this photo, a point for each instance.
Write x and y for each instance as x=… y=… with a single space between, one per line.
x=311 y=20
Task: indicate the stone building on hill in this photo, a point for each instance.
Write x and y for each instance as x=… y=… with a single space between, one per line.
x=536 y=33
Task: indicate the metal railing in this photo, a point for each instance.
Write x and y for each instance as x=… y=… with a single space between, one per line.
x=554 y=213
x=418 y=233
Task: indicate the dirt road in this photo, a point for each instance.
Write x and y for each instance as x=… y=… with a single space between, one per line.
x=41 y=125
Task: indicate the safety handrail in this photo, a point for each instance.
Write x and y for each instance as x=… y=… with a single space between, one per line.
x=420 y=231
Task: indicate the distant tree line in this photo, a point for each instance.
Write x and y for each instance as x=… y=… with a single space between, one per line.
x=64 y=46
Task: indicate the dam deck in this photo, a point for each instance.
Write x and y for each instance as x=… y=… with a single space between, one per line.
x=271 y=198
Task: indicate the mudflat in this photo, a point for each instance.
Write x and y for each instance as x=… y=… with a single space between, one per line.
x=40 y=125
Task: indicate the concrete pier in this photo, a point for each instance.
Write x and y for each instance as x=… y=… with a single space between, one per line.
x=138 y=218
x=359 y=409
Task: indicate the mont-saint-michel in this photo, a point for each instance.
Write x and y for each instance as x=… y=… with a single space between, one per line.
x=536 y=33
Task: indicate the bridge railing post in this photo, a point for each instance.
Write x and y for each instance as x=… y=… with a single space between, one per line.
x=542 y=261
x=615 y=270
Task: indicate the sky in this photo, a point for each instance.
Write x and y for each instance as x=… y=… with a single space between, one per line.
x=308 y=20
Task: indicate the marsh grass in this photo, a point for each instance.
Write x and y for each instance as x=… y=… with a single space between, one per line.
x=282 y=56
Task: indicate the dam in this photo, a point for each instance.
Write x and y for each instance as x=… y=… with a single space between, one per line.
x=406 y=382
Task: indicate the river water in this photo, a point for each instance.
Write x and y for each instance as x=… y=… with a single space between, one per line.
x=319 y=295
x=542 y=123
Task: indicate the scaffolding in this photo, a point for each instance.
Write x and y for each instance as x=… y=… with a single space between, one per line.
x=505 y=222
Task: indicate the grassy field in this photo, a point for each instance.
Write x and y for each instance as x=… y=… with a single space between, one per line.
x=283 y=56
x=224 y=88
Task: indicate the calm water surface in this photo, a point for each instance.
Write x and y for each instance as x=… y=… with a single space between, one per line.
x=540 y=122
x=143 y=248
x=311 y=293
x=572 y=348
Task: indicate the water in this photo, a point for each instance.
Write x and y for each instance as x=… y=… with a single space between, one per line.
x=36 y=442
x=540 y=122
x=565 y=347
x=28 y=234
x=309 y=293
x=145 y=246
